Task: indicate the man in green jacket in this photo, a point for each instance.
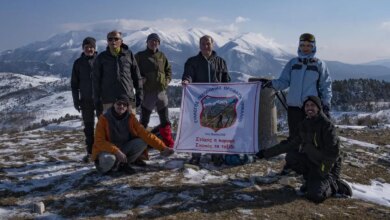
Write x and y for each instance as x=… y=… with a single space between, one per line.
x=315 y=153
x=156 y=72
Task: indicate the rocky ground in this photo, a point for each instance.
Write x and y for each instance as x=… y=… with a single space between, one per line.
x=44 y=166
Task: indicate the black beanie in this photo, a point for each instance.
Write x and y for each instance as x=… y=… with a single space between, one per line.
x=123 y=98
x=314 y=99
x=153 y=36
x=89 y=40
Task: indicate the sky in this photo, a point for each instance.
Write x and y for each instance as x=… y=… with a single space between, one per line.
x=351 y=31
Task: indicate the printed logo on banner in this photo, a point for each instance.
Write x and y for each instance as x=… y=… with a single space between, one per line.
x=218 y=112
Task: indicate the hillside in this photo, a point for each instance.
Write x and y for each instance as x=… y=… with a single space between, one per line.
x=44 y=166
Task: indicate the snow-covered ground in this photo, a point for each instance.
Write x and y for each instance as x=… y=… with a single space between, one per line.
x=48 y=169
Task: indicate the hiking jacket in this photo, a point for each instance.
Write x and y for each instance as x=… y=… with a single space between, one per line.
x=305 y=77
x=155 y=70
x=317 y=139
x=116 y=75
x=105 y=127
x=199 y=69
x=81 y=79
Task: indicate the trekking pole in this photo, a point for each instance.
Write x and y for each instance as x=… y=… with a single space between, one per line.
x=281 y=100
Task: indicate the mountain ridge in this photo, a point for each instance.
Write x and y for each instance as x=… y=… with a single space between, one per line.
x=245 y=53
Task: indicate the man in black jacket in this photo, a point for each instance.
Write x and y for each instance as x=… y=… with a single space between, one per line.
x=116 y=73
x=206 y=67
x=318 y=157
x=81 y=83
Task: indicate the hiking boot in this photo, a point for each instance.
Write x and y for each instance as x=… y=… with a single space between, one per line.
x=126 y=168
x=303 y=188
x=194 y=161
x=343 y=188
x=86 y=158
x=217 y=160
x=140 y=163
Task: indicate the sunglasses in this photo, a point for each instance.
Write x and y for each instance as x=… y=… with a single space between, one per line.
x=121 y=104
x=307 y=37
x=113 y=39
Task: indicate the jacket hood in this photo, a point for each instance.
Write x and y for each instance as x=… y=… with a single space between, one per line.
x=307 y=56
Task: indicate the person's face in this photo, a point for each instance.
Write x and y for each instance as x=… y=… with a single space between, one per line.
x=306 y=47
x=89 y=50
x=114 y=41
x=120 y=107
x=311 y=109
x=206 y=47
x=153 y=44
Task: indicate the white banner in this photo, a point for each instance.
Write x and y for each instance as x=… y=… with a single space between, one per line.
x=219 y=118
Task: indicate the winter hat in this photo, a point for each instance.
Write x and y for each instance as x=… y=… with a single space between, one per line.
x=307 y=37
x=314 y=99
x=89 y=40
x=123 y=98
x=153 y=36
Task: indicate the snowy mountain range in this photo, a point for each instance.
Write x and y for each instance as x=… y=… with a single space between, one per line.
x=247 y=54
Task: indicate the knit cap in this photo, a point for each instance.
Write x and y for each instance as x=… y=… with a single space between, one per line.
x=315 y=99
x=89 y=41
x=153 y=36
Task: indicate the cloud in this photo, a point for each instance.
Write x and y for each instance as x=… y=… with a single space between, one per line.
x=129 y=24
x=240 y=19
x=385 y=25
x=207 y=19
x=163 y=24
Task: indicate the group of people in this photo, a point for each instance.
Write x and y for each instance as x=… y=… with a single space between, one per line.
x=116 y=82
x=113 y=84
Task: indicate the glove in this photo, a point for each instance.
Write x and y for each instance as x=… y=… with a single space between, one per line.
x=76 y=104
x=266 y=83
x=138 y=98
x=98 y=108
x=260 y=154
x=326 y=110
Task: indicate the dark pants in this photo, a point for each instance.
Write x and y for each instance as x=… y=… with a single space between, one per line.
x=162 y=114
x=88 y=115
x=320 y=184
x=294 y=117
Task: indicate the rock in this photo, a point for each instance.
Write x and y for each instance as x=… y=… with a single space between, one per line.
x=38 y=207
x=288 y=181
x=357 y=164
x=381 y=180
x=266 y=180
x=194 y=167
x=358 y=150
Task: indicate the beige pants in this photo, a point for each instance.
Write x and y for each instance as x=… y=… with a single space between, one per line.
x=131 y=109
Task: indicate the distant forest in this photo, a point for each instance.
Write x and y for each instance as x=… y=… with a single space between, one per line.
x=351 y=94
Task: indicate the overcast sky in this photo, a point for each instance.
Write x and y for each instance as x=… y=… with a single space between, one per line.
x=353 y=31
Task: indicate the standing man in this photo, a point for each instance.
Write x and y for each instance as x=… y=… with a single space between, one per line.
x=116 y=73
x=156 y=72
x=305 y=76
x=81 y=83
x=314 y=152
x=205 y=67
x=121 y=139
